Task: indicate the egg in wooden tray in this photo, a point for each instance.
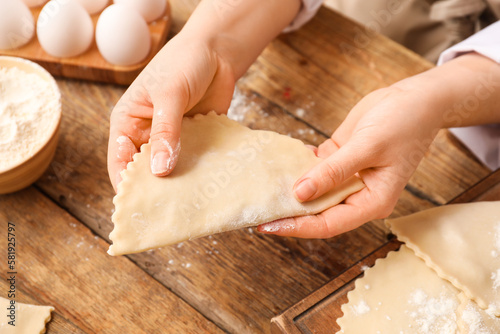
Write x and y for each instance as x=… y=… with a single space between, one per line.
x=86 y=39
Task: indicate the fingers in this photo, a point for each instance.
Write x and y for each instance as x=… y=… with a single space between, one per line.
x=358 y=209
x=121 y=150
x=334 y=221
x=165 y=133
x=329 y=173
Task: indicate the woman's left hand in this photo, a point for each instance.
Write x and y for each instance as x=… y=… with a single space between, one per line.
x=382 y=139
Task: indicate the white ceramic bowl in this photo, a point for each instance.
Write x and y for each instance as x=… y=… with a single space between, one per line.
x=29 y=170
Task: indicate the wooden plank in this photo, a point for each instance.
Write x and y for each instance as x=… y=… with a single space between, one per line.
x=57 y=325
x=447 y=170
x=318 y=312
x=61 y=263
x=90 y=65
x=488 y=189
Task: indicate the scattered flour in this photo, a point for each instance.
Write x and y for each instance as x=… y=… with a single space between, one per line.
x=472 y=318
x=492 y=310
x=495 y=276
x=496 y=251
x=241 y=105
x=304 y=132
x=29 y=113
x=361 y=308
x=122 y=140
x=173 y=153
x=433 y=315
x=300 y=112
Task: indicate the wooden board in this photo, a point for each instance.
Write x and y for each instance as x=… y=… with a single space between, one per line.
x=91 y=65
x=318 y=312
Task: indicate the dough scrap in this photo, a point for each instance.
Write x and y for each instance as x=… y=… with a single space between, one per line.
x=29 y=318
x=461 y=242
x=474 y=320
x=227 y=177
x=400 y=294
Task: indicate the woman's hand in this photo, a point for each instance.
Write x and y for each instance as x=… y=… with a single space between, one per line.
x=384 y=138
x=186 y=75
x=380 y=141
x=194 y=72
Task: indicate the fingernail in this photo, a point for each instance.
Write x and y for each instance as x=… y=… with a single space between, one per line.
x=283 y=225
x=270 y=227
x=305 y=190
x=161 y=163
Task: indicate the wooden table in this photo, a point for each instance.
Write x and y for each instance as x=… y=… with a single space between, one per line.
x=303 y=85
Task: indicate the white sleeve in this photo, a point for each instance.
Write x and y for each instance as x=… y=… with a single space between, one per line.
x=483 y=140
x=307 y=10
x=485 y=42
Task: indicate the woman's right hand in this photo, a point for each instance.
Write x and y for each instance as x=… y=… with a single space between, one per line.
x=186 y=75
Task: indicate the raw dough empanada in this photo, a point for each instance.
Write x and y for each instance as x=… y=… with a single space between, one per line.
x=400 y=294
x=28 y=318
x=462 y=243
x=227 y=177
x=474 y=320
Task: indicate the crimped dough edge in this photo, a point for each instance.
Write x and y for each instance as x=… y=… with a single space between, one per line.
x=359 y=281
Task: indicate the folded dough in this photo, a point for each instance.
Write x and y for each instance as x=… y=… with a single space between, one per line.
x=400 y=294
x=461 y=242
x=28 y=318
x=227 y=177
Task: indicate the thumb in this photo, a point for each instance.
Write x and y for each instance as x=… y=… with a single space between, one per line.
x=330 y=172
x=165 y=136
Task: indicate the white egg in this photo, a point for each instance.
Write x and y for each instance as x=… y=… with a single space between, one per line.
x=93 y=6
x=64 y=28
x=149 y=9
x=122 y=36
x=16 y=24
x=34 y=3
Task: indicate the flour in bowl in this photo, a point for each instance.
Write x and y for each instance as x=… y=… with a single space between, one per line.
x=29 y=114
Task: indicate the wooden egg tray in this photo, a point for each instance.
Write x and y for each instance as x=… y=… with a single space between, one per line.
x=91 y=65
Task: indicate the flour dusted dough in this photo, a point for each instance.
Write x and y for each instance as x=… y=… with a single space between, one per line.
x=29 y=318
x=474 y=320
x=227 y=177
x=400 y=294
x=461 y=242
